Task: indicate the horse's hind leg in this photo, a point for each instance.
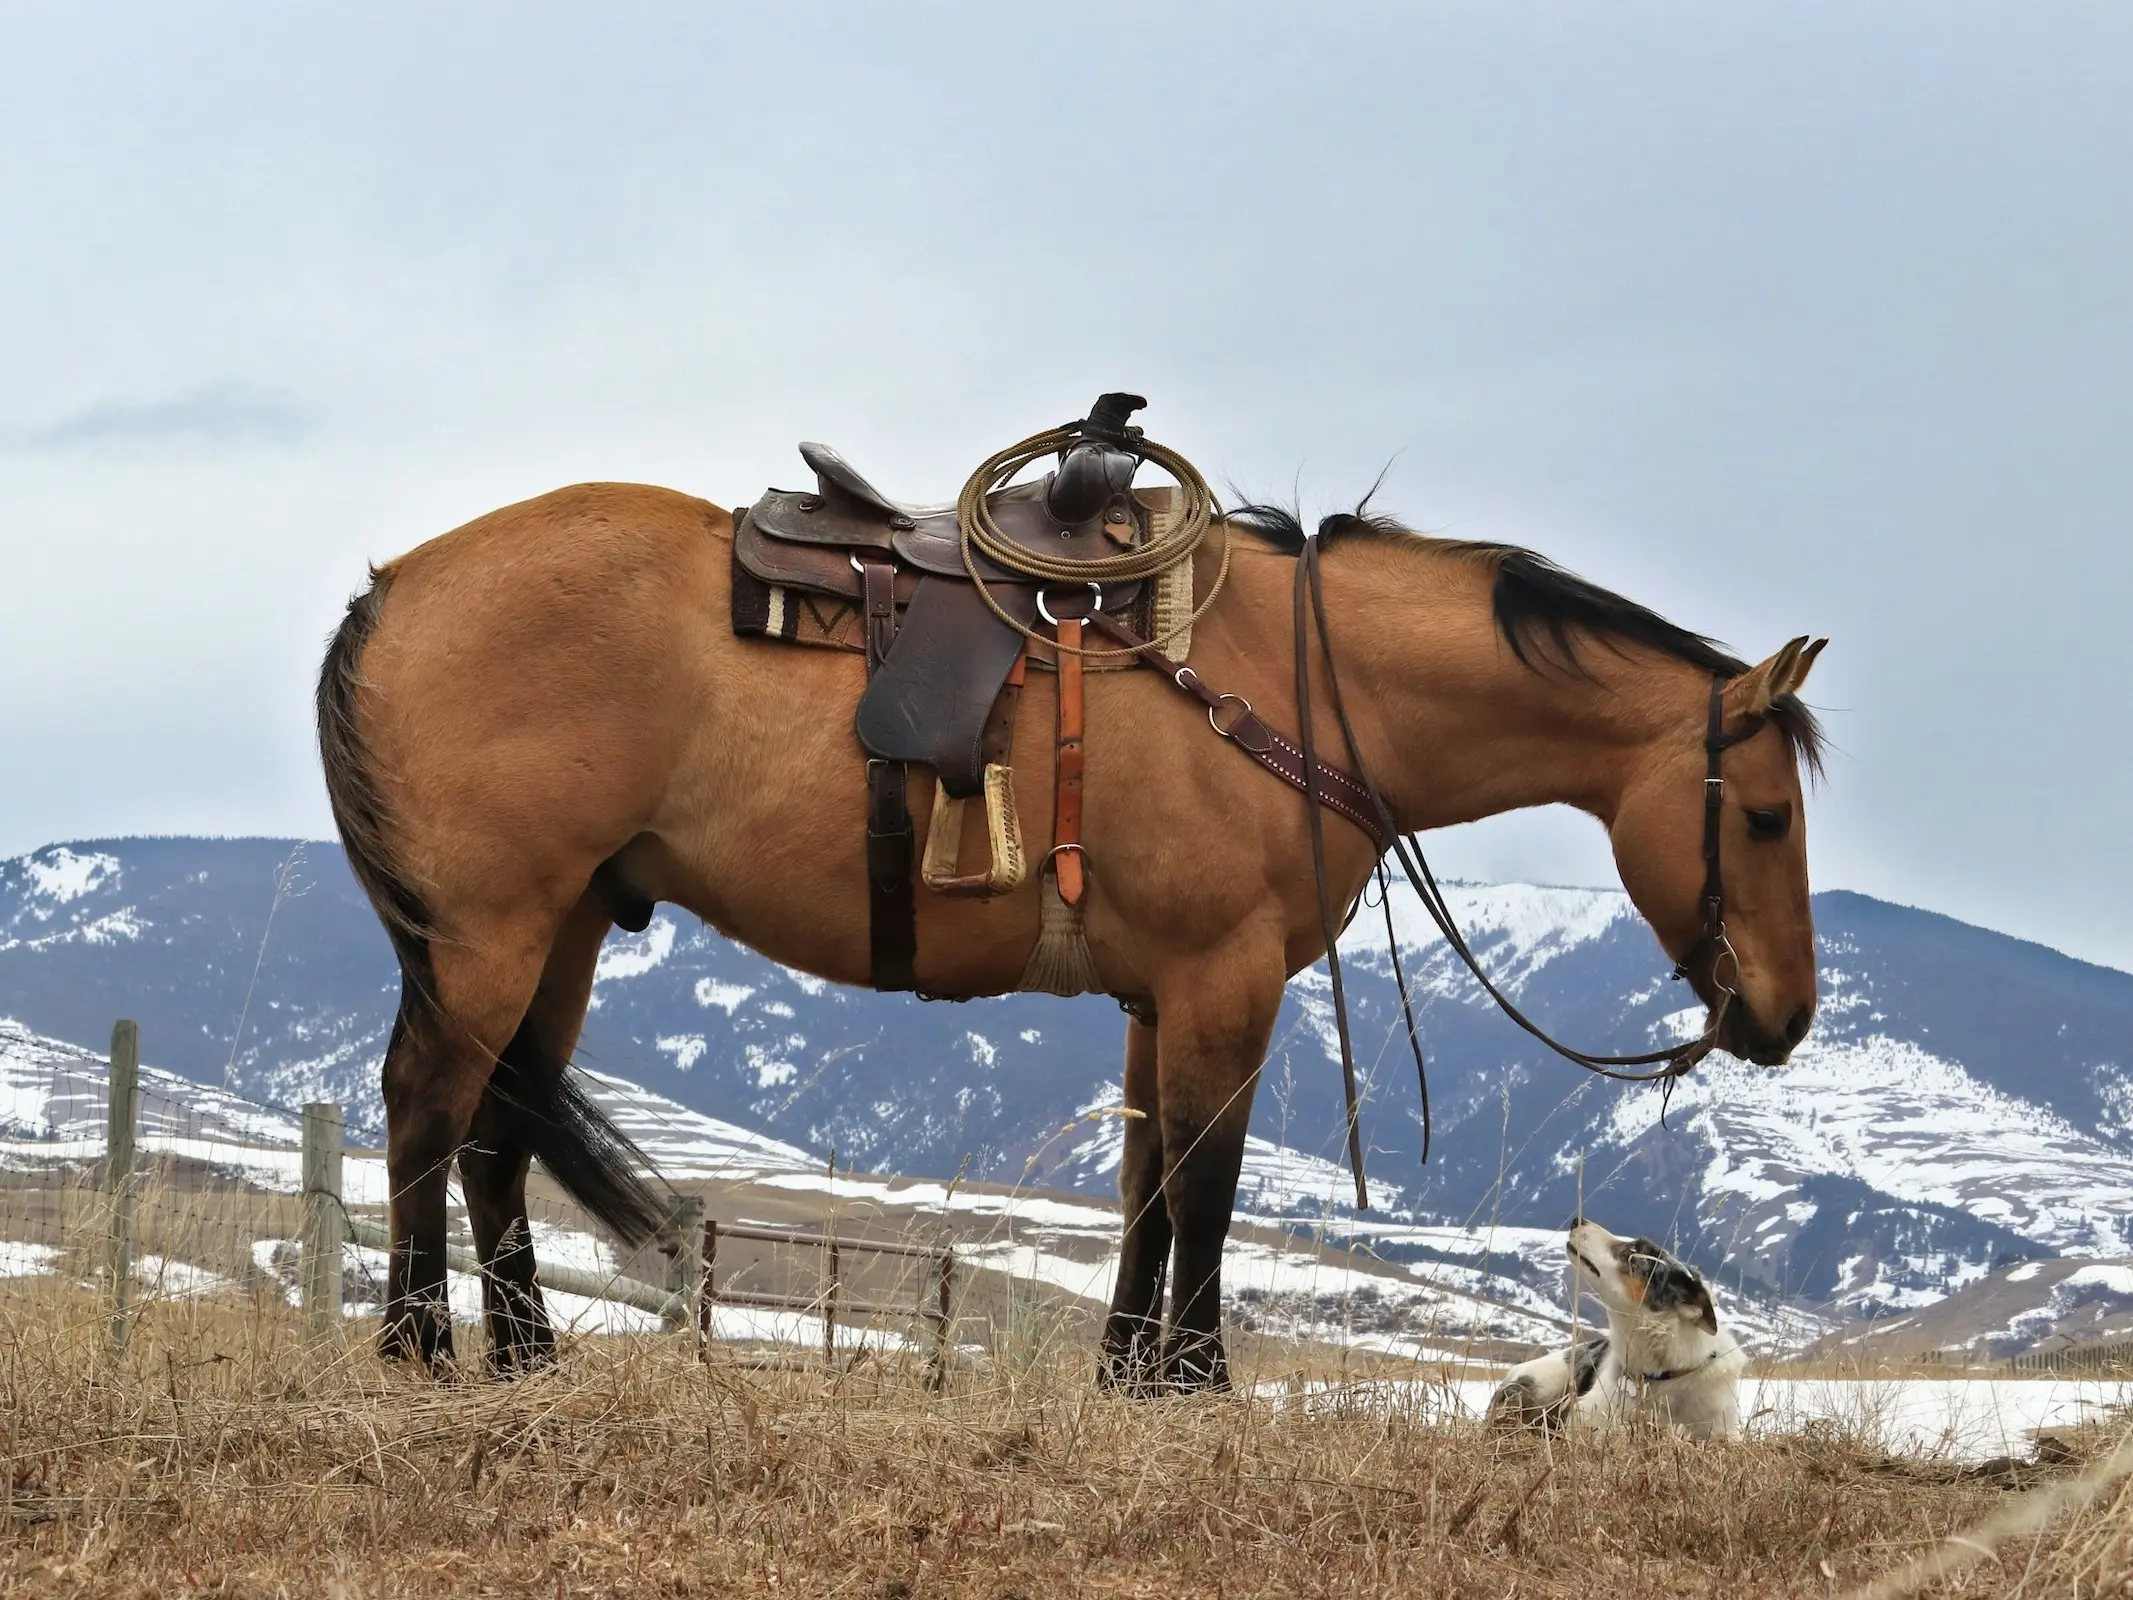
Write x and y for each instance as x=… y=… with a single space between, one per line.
x=493 y=1162
x=1212 y=1033
x=1133 y=1331
x=437 y=1068
x=492 y=1171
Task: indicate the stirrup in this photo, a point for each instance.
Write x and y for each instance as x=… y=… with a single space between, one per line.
x=1008 y=867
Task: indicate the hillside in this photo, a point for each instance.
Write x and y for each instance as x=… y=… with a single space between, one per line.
x=1963 y=1105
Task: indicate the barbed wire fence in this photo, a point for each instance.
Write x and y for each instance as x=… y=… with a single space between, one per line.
x=156 y=1192
x=161 y=1192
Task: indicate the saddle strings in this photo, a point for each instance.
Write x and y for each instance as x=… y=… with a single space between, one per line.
x=981 y=535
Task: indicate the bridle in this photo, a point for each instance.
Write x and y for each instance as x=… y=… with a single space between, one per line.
x=1716 y=742
x=1668 y=1064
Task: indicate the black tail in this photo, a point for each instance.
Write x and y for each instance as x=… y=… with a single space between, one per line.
x=359 y=810
x=580 y=1146
x=570 y=1136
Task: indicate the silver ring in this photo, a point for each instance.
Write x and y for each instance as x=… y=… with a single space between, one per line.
x=858 y=566
x=1725 y=952
x=1045 y=611
x=1222 y=700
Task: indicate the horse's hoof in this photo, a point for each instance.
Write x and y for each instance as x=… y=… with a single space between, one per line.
x=523 y=1360
x=1134 y=1370
x=1139 y=1383
x=1197 y=1366
x=417 y=1335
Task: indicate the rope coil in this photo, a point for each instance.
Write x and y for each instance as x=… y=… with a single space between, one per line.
x=981 y=535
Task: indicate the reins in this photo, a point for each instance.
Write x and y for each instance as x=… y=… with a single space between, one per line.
x=1407 y=849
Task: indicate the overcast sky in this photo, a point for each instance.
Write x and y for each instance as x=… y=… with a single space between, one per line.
x=1779 y=318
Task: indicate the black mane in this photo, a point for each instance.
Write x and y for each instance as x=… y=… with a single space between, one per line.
x=1543 y=611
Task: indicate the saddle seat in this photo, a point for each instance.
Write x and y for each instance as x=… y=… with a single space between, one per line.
x=847 y=513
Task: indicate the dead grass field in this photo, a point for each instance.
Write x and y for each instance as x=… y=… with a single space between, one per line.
x=220 y=1454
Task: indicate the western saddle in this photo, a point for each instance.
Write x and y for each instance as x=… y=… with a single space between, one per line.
x=950 y=618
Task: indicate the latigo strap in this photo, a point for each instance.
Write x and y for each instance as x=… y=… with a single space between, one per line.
x=1067 y=764
x=892 y=903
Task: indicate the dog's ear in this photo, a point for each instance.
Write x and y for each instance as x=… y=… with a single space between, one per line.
x=1697 y=1307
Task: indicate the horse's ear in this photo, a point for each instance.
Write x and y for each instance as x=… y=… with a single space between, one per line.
x=1750 y=694
x=1803 y=666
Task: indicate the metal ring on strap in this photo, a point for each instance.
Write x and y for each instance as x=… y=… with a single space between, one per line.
x=1224 y=700
x=1045 y=611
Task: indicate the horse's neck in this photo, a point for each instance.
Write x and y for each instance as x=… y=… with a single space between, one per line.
x=1455 y=727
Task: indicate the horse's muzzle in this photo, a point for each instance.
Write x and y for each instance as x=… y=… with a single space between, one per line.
x=1745 y=1035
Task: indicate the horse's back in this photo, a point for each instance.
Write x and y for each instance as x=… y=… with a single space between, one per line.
x=626 y=532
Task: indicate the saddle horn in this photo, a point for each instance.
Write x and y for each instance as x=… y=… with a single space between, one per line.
x=1100 y=464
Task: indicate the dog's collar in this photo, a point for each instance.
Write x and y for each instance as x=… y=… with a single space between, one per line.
x=1678 y=1372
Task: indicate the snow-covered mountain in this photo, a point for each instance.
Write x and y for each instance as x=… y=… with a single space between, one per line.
x=1965 y=1102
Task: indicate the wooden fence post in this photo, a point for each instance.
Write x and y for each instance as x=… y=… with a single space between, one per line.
x=829 y=1304
x=707 y=1296
x=685 y=1266
x=943 y=1323
x=323 y=1228
x=118 y=1170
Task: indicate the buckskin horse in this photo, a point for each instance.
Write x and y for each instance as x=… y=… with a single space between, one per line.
x=538 y=725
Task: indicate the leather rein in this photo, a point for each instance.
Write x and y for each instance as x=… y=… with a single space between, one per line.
x=1358 y=798
x=1668 y=1063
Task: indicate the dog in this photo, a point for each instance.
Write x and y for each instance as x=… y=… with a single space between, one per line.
x=1663 y=1360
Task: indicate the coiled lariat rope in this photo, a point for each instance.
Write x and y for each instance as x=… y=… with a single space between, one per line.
x=981 y=535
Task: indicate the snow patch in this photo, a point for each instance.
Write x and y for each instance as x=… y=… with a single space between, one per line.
x=59 y=875
x=2119 y=1280
x=686 y=1048
x=633 y=955
x=711 y=992
x=19 y=1258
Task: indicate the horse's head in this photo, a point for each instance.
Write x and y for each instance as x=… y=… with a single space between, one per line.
x=1761 y=971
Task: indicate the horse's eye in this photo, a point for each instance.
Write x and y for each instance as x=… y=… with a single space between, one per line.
x=1773 y=824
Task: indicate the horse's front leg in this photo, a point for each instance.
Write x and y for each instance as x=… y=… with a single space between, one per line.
x=1211 y=1036
x=1133 y=1332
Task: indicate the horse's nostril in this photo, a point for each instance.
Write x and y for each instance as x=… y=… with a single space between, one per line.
x=1797 y=1025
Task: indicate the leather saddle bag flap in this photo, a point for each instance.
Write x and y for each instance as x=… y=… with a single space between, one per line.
x=930 y=699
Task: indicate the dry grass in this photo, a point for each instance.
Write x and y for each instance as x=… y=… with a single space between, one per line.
x=219 y=1452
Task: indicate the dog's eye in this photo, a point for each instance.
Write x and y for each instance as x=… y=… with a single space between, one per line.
x=1771 y=824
